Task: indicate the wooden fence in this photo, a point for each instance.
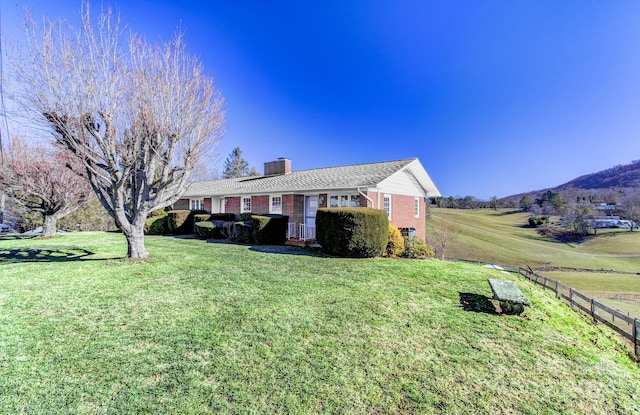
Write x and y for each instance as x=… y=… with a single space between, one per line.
x=627 y=326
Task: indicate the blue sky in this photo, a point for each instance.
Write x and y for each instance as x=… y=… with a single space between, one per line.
x=493 y=97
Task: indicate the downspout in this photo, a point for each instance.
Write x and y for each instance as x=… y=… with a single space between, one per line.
x=365 y=196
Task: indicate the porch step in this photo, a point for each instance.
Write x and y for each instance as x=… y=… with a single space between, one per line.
x=295 y=242
x=303 y=243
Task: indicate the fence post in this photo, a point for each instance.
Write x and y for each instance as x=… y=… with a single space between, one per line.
x=571 y=296
x=557 y=289
x=544 y=286
x=635 y=335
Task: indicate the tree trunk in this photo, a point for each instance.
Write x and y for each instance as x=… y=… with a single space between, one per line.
x=49 y=226
x=135 y=245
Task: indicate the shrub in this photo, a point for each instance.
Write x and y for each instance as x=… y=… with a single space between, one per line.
x=242 y=232
x=352 y=232
x=180 y=222
x=415 y=247
x=205 y=229
x=535 y=221
x=89 y=217
x=270 y=229
x=156 y=223
x=201 y=217
x=224 y=217
x=395 y=241
x=245 y=216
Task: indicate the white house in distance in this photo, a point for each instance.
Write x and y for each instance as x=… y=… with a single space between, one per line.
x=400 y=187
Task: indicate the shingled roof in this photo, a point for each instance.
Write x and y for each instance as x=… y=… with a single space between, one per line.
x=328 y=178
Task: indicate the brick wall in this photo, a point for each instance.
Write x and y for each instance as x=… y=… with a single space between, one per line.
x=403 y=214
x=260 y=204
x=288 y=205
x=373 y=196
x=298 y=209
x=207 y=204
x=232 y=205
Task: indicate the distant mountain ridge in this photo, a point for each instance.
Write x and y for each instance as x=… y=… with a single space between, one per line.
x=622 y=176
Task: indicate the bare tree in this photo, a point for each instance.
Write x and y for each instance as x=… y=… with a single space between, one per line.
x=140 y=117
x=444 y=232
x=42 y=180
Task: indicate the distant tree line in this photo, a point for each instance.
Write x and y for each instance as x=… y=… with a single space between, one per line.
x=466 y=202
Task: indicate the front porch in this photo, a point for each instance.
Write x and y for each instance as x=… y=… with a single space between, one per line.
x=301 y=231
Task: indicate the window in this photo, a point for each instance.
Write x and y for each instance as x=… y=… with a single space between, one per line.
x=246 y=204
x=197 y=204
x=276 y=204
x=348 y=200
x=387 y=205
x=416 y=207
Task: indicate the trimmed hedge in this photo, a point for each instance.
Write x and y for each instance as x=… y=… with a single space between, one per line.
x=181 y=221
x=352 y=232
x=156 y=223
x=270 y=229
x=205 y=229
x=219 y=221
x=224 y=217
x=242 y=232
x=201 y=217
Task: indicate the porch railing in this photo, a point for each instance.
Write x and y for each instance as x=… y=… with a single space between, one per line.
x=300 y=231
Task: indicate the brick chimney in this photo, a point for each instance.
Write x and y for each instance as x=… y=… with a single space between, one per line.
x=280 y=166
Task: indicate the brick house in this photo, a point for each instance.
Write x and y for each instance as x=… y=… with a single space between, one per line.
x=399 y=187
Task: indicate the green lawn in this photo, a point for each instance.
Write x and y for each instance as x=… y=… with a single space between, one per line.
x=500 y=236
x=217 y=328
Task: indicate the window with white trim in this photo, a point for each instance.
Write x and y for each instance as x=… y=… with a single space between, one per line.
x=276 y=204
x=246 y=204
x=346 y=200
x=416 y=207
x=197 y=204
x=387 y=205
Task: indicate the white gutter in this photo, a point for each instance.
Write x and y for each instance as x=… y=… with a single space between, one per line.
x=365 y=196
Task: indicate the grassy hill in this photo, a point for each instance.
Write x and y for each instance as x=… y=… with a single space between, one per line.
x=501 y=237
x=217 y=328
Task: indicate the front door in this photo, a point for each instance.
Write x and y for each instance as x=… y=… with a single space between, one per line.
x=310 y=210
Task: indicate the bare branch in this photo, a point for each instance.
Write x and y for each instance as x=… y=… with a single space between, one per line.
x=140 y=117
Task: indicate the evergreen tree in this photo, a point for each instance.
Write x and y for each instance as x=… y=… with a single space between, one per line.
x=236 y=166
